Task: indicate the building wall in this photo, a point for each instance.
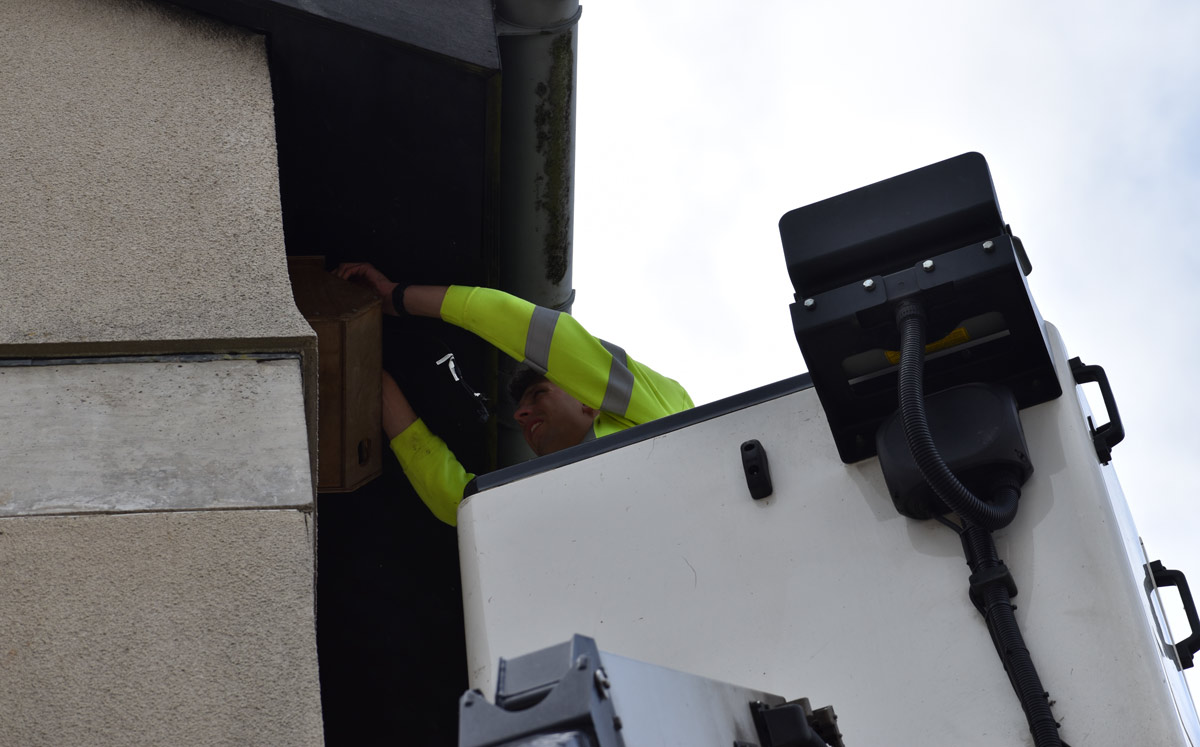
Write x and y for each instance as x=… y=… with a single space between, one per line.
x=157 y=389
x=158 y=628
x=141 y=192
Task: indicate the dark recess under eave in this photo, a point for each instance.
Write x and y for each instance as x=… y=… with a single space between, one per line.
x=388 y=141
x=462 y=31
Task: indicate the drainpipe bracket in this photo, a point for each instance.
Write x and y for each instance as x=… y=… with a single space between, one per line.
x=508 y=28
x=567 y=304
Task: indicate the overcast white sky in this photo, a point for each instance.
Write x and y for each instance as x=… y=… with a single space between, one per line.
x=700 y=124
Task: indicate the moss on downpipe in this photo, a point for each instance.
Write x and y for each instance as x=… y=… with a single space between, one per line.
x=555 y=143
x=537 y=50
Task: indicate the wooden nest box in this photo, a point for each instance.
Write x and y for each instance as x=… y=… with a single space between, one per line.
x=348 y=323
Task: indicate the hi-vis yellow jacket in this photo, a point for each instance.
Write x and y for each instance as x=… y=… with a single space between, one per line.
x=597 y=373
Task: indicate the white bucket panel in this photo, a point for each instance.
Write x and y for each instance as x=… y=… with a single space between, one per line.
x=822 y=590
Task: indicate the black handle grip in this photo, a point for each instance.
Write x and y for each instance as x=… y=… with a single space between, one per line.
x=758 y=471
x=1186 y=648
x=1113 y=432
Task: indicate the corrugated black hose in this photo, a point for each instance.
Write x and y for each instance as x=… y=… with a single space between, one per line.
x=996 y=607
x=979 y=518
x=910 y=318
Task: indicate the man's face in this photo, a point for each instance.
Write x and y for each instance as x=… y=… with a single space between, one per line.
x=551 y=419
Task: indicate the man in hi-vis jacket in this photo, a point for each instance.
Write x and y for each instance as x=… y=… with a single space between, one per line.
x=581 y=387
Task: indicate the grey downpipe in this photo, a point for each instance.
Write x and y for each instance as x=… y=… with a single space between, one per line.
x=538 y=42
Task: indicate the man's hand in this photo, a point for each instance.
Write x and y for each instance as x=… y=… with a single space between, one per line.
x=365 y=274
x=419 y=300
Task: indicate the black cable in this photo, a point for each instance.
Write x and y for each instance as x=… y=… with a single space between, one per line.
x=991 y=585
x=910 y=318
x=997 y=609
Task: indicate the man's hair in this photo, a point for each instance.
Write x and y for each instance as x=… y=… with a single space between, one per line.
x=524 y=378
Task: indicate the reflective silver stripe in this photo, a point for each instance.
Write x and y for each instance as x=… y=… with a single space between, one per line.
x=537 y=340
x=617 y=351
x=620 y=387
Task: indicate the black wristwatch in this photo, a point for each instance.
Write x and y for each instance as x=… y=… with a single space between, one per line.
x=398 y=300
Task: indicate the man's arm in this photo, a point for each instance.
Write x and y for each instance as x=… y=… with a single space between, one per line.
x=596 y=373
x=398 y=414
x=432 y=469
x=425 y=300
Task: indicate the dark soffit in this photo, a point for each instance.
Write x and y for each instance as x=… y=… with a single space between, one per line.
x=461 y=30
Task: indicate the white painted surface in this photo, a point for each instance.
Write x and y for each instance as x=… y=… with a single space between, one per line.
x=149 y=436
x=822 y=590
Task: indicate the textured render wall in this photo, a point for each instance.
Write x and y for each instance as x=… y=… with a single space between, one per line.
x=141 y=199
x=157 y=629
x=156 y=558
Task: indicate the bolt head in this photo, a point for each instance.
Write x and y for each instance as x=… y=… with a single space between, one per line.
x=810 y=303
x=869 y=284
x=927 y=265
x=989 y=246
